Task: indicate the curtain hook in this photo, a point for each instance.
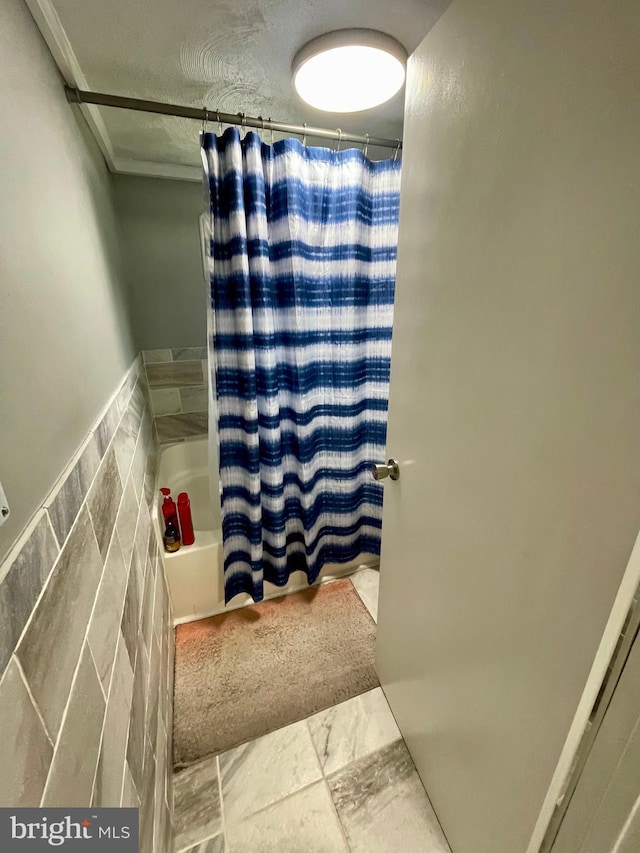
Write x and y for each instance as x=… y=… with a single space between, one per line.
x=304 y=135
x=395 y=156
x=366 y=144
x=219 y=123
x=204 y=121
x=339 y=132
x=271 y=129
x=243 y=123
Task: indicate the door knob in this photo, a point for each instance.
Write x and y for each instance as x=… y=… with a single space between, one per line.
x=391 y=469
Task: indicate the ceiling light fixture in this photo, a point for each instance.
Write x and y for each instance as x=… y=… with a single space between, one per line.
x=346 y=71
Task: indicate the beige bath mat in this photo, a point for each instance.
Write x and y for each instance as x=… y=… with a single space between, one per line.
x=250 y=671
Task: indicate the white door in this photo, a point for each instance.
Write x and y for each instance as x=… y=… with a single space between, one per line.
x=515 y=397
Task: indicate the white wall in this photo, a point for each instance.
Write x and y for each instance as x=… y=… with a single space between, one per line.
x=65 y=340
x=161 y=246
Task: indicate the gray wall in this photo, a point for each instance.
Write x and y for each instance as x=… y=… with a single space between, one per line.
x=161 y=245
x=65 y=341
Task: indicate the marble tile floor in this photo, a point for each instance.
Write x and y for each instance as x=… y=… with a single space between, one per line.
x=341 y=781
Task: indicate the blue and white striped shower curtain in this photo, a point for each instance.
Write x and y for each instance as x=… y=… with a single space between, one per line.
x=302 y=269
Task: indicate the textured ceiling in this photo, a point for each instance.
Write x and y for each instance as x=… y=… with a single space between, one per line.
x=231 y=56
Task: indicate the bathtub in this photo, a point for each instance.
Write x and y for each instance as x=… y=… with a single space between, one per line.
x=195 y=572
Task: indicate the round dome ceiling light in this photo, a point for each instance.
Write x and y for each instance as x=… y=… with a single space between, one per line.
x=346 y=71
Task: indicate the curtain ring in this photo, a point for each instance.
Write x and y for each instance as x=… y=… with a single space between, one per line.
x=219 y=123
x=366 y=145
x=304 y=135
x=395 y=156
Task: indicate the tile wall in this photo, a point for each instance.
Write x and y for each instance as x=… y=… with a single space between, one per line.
x=178 y=391
x=86 y=639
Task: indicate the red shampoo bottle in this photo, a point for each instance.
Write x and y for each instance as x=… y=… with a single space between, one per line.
x=169 y=512
x=186 y=522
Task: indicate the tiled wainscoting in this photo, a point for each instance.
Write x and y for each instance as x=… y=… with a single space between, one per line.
x=178 y=391
x=86 y=640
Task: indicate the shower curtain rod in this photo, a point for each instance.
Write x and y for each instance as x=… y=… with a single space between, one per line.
x=80 y=96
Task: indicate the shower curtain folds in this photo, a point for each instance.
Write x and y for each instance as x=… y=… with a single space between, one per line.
x=302 y=270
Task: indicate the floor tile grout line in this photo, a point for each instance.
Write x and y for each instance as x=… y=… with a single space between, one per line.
x=304 y=720
x=315 y=781
x=221 y=797
x=343 y=831
x=288 y=796
x=207 y=835
x=320 y=778
x=323 y=778
x=353 y=699
x=325 y=782
x=198 y=843
x=313 y=743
